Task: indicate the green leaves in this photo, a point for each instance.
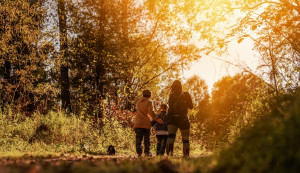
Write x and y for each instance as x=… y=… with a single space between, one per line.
x=23 y=66
x=232 y=101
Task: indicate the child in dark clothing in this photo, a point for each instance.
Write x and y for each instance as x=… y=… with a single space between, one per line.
x=161 y=131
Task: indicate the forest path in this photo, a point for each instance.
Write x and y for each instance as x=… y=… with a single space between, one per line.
x=99 y=163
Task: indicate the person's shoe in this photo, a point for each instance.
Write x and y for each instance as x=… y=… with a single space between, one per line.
x=139 y=155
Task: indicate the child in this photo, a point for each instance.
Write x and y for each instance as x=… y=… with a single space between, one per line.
x=142 y=123
x=162 y=131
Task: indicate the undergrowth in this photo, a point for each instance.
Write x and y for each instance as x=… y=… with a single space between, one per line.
x=271 y=145
x=57 y=133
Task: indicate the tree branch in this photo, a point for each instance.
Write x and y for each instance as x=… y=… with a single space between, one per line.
x=258 y=5
x=288 y=4
x=147 y=60
x=297 y=2
x=280 y=33
x=245 y=70
x=174 y=64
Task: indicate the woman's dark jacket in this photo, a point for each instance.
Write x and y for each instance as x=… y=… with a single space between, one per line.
x=179 y=103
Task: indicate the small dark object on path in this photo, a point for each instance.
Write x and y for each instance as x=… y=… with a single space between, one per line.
x=167 y=166
x=111 y=150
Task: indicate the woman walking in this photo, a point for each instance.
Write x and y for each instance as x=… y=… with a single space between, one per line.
x=179 y=103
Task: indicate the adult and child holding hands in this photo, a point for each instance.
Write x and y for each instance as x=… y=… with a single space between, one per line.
x=167 y=122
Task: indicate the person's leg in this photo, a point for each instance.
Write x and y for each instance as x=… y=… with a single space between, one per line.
x=163 y=144
x=147 y=141
x=138 y=140
x=186 y=142
x=172 y=129
x=158 y=146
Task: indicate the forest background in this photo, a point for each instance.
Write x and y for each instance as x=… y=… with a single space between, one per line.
x=71 y=71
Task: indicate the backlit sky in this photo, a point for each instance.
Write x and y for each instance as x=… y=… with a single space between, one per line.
x=211 y=70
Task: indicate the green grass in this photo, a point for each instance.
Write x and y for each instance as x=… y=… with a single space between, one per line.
x=59 y=133
x=56 y=133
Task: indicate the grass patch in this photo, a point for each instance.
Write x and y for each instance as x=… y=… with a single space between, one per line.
x=60 y=133
x=57 y=133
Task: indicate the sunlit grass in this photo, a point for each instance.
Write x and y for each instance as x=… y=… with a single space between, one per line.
x=66 y=134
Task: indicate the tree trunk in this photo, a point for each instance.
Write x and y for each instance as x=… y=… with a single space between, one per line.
x=100 y=71
x=6 y=76
x=100 y=93
x=125 y=21
x=7 y=65
x=64 y=68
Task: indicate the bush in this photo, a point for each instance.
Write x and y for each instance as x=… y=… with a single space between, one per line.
x=271 y=145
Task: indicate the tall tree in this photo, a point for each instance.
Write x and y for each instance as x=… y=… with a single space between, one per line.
x=198 y=89
x=117 y=52
x=199 y=92
x=238 y=101
x=23 y=56
x=64 y=60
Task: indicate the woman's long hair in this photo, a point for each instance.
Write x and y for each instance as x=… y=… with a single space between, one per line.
x=176 y=87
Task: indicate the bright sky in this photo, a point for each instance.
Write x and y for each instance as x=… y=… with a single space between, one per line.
x=211 y=69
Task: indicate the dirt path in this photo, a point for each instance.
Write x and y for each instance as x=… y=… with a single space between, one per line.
x=89 y=163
